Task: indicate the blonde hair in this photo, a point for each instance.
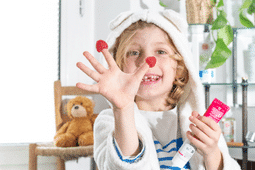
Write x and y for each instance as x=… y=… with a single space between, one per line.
x=119 y=51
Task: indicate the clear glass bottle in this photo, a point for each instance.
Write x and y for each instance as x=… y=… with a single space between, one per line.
x=205 y=52
x=228 y=126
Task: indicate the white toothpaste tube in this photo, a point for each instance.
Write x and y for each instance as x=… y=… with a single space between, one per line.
x=184 y=154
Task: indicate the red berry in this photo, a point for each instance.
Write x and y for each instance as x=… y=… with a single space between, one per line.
x=100 y=45
x=151 y=61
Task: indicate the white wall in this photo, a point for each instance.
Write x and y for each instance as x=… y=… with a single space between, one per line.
x=77 y=36
x=28 y=68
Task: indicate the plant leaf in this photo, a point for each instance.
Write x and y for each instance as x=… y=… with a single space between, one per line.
x=220 y=55
x=220 y=4
x=223 y=13
x=244 y=20
x=226 y=34
x=220 y=21
x=251 y=8
x=246 y=4
x=162 y=4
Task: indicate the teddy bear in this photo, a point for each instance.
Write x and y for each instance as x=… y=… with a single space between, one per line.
x=79 y=130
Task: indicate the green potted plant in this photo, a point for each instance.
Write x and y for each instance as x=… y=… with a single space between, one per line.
x=220 y=24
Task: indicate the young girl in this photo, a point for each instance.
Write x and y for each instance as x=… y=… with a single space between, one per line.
x=153 y=109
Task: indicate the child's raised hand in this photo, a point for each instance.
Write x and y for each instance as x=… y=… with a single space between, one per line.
x=205 y=134
x=118 y=87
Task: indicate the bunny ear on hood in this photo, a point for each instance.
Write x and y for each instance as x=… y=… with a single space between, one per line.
x=176 y=27
x=119 y=19
x=177 y=20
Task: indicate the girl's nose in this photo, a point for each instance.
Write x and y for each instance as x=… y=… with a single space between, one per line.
x=151 y=61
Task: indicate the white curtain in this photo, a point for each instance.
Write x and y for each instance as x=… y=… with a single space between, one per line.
x=28 y=69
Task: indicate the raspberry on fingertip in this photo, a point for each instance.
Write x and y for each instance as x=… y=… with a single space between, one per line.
x=100 y=45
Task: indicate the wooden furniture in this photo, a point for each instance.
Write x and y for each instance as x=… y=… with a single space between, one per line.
x=48 y=149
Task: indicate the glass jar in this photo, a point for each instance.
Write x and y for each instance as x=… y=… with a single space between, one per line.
x=228 y=126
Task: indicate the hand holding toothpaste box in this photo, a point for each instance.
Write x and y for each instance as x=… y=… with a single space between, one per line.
x=216 y=111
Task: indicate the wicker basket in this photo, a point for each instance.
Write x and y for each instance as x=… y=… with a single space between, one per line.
x=199 y=11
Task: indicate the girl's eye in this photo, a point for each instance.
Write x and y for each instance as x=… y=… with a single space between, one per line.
x=133 y=53
x=161 y=52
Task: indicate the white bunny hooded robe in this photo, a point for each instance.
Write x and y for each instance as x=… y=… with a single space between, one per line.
x=193 y=99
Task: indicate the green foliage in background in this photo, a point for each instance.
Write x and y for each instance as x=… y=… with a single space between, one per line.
x=224 y=35
x=249 y=6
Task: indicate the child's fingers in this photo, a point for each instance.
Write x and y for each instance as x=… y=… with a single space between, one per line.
x=195 y=114
x=199 y=134
x=92 y=88
x=141 y=71
x=199 y=144
x=109 y=58
x=93 y=74
x=98 y=67
x=202 y=126
x=209 y=122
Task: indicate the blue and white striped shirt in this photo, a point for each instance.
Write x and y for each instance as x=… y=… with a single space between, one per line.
x=166 y=136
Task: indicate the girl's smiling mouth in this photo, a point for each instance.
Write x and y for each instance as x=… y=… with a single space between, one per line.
x=151 y=79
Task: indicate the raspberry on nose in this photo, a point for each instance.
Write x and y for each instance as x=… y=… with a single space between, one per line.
x=151 y=61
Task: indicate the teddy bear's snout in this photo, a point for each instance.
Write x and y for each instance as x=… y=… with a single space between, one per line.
x=78 y=111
